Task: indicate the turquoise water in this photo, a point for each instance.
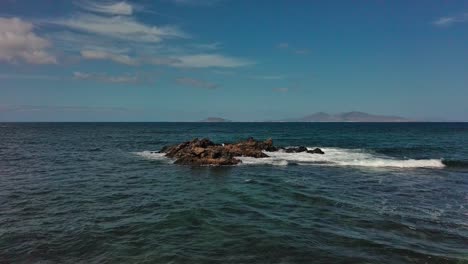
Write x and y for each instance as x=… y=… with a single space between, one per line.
x=97 y=193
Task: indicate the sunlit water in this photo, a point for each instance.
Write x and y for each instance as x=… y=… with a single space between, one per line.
x=98 y=193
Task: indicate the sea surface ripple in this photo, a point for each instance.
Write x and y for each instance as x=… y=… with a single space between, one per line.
x=97 y=193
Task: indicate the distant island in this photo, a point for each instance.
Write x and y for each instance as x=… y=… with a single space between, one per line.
x=345 y=117
x=214 y=120
x=353 y=116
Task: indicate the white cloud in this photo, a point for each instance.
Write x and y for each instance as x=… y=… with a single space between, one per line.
x=29 y=77
x=112 y=8
x=103 y=55
x=161 y=61
x=223 y=72
x=210 y=60
x=122 y=79
x=40 y=108
x=286 y=46
x=281 y=90
x=302 y=51
x=444 y=21
x=196 y=83
x=120 y=27
x=18 y=42
x=283 y=45
x=447 y=21
x=181 y=61
x=110 y=31
x=208 y=46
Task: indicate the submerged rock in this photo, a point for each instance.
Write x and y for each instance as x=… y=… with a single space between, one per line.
x=205 y=152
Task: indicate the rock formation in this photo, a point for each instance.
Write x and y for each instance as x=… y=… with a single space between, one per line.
x=316 y=151
x=205 y=152
x=295 y=149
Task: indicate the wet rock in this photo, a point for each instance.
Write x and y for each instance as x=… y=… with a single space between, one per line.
x=205 y=152
x=295 y=149
x=315 y=151
x=187 y=160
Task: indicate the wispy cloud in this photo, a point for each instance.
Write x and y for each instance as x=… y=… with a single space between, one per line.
x=120 y=27
x=19 y=43
x=210 y=60
x=110 y=31
x=281 y=90
x=289 y=48
x=120 y=79
x=29 y=77
x=223 y=72
x=302 y=51
x=208 y=46
x=160 y=61
x=450 y=20
x=40 y=108
x=269 y=77
x=196 y=83
x=48 y=113
x=283 y=45
x=112 y=8
x=103 y=55
x=179 y=61
x=204 y=60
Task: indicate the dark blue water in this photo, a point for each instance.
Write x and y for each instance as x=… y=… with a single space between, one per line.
x=94 y=193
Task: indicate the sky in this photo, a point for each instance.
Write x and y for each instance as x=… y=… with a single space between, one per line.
x=185 y=60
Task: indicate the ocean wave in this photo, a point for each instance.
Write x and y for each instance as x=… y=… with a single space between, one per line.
x=151 y=155
x=342 y=157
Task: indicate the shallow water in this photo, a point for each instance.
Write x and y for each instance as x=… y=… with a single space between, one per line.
x=97 y=193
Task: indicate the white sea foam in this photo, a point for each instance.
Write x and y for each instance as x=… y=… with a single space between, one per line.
x=342 y=157
x=271 y=161
x=152 y=155
x=332 y=157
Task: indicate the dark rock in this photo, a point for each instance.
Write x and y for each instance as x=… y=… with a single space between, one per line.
x=268 y=145
x=295 y=149
x=205 y=152
x=316 y=151
x=249 y=148
x=206 y=161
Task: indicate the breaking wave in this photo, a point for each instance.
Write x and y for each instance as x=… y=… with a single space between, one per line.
x=332 y=157
x=342 y=157
x=152 y=155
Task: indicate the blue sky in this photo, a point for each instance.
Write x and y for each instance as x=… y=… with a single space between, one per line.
x=184 y=60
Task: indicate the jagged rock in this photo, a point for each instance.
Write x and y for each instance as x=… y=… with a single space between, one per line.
x=316 y=151
x=250 y=148
x=206 y=161
x=205 y=152
x=295 y=149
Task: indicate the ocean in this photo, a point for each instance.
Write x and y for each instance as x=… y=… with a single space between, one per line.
x=99 y=193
